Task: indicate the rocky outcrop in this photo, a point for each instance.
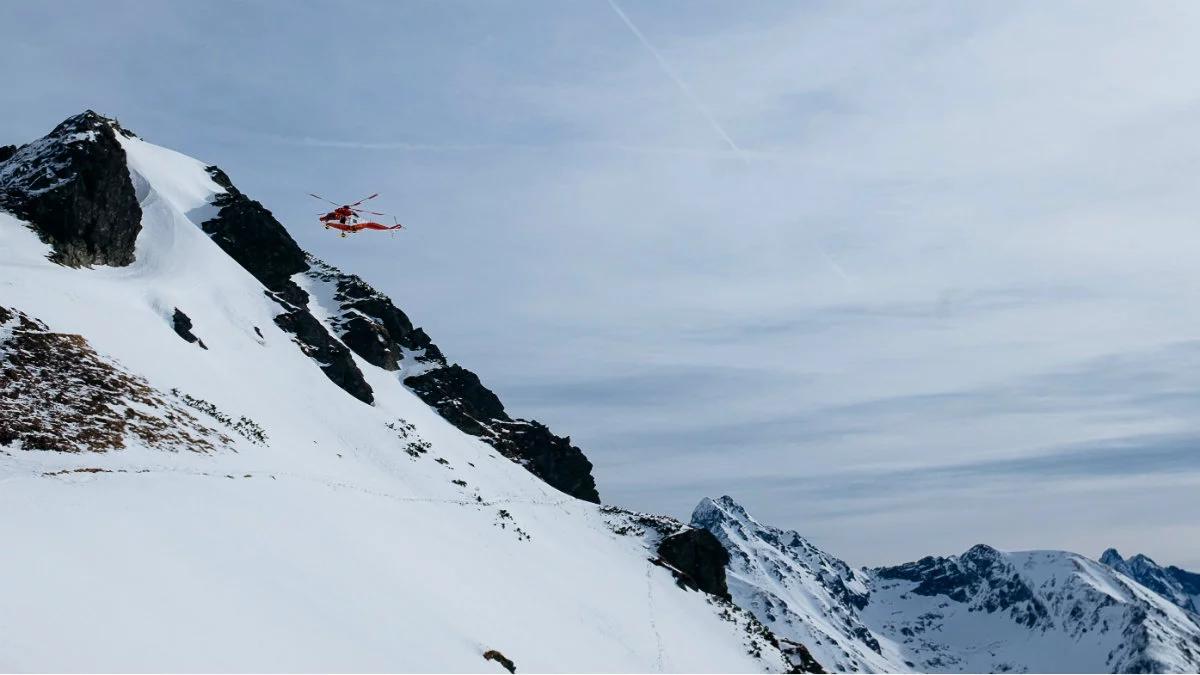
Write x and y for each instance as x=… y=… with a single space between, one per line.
x=458 y=395
x=73 y=187
x=507 y=663
x=549 y=457
x=183 y=328
x=7 y=151
x=701 y=558
x=370 y=324
x=333 y=357
x=251 y=235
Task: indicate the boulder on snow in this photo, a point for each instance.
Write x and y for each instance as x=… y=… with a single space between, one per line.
x=493 y=655
x=701 y=557
x=183 y=327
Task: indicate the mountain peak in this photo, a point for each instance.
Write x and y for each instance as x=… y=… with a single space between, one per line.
x=981 y=552
x=711 y=512
x=1111 y=557
x=1141 y=560
x=90 y=120
x=1177 y=585
x=73 y=187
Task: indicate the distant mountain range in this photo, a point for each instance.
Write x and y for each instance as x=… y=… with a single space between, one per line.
x=981 y=611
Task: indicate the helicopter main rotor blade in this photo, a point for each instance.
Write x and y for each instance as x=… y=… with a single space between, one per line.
x=365 y=199
x=323 y=199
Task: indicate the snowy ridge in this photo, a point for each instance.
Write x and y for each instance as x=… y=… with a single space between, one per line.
x=347 y=536
x=1177 y=585
x=982 y=611
x=798 y=591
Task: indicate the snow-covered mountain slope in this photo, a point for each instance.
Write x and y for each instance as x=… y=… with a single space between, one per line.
x=197 y=473
x=982 y=611
x=800 y=592
x=1177 y=585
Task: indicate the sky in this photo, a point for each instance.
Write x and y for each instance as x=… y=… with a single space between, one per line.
x=903 y=277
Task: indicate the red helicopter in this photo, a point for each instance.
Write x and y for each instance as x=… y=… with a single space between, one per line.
x=347 y=217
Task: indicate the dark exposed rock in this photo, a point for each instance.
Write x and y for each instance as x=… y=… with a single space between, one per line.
x=381 y=334
x=333 y=357
x=458 y=395
x=549 y=457
x=7 y=151
x=73 y=187
x=371 y=325
x=183 y=327
x=701 y=557
x=251 y=235
x=493 y=655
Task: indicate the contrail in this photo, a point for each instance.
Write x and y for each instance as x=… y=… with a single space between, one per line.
x=683 y=86
x=691 y=96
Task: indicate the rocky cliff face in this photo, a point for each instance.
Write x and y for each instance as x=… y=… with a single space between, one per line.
x=381 y=334
x=74 y=188
x=251 y=235
x=699 y=555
